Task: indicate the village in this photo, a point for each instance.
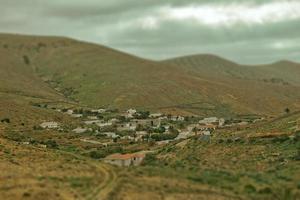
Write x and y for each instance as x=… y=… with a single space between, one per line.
x=106 y=127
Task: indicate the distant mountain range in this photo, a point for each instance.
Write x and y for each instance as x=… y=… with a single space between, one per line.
x=56 y=68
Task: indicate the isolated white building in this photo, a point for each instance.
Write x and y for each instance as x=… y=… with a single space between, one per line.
x=125 y=160
x=103 y=124
x=209 y=120
x=80 y=130
x=50 y=125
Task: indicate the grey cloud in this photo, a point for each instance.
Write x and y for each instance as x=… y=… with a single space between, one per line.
x=115 y=23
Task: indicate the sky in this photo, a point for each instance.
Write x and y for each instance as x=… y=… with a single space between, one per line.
x=245 y=31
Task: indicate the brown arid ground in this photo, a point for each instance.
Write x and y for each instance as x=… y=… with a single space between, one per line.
x=36 y=173
x=227 y=168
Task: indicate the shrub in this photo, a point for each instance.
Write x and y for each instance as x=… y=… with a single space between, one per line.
x=297 y=136
x=250 y=188
x=160 y=129
x=281 y=139
x=149 y=159
x=266 y=190
x=220 y=141
x=97 y=154
x=51 y=144
x=26 y=60
x=37 y=128
x=5 y=120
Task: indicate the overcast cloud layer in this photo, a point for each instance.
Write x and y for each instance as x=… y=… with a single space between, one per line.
x=246 y=31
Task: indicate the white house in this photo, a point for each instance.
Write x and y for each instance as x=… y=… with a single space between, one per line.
x=221 y=122
x=79 y=130
x=70 y=112
x=92 y=122
x=103 y=124
x=130 y=113
x=209 y=120
x=49 y=125
x=110 y=134
x=155 y=115
x=100 y=111
x=177 y=118
x=76 y=115
x=92 y=117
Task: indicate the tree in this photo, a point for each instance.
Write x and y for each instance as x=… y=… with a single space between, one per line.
x=195 y=130
x=5 y=120
x=26 y=60
x=287 y=110
x=160 y=129
x=52 y=144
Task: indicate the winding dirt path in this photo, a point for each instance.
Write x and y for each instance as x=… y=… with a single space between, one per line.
x=101 y=191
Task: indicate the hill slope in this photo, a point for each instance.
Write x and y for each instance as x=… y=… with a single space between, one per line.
x=98 y=76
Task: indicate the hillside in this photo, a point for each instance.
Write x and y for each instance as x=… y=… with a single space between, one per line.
x=97 y=76
x=285 y=72
x=260 y=162
x=263 y=86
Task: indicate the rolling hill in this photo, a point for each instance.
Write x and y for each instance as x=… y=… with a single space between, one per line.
x=57 y=68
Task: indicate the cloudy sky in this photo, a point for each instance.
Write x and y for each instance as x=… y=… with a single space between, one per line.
x=246 y=31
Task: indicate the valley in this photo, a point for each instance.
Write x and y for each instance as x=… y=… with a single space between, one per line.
x=83 y=121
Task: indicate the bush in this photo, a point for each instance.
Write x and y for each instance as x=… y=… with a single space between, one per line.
x=266 y=190
x=97 y=154
x=297 y=136
x=149 y=159
x=51 y=144
x=250 y=188
x=37 y=128
x=280 y=139
x=142 y=115
x=5 y=120
x=160 y=129
x=26 y=60
x=164 y=136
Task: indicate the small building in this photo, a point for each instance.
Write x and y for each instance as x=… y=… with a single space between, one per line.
x=80 y=130
x=92 y=117
x=205 y=136
x=209 y=127
x=177 y=118
x=49 y=125
x=221 y=122
x=155 y=115
x=125 y=160
x=104 y=124
x=110 y=134
x=92 y=122
x=130 y=113
x=100 y=111
x=70 y=112
x=209 y=120
x=113 y=120
x=77 y=115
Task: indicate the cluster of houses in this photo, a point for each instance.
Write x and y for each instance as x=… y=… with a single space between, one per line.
x=134 y=122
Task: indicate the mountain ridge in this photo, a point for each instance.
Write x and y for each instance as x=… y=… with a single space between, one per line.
x=98 y=76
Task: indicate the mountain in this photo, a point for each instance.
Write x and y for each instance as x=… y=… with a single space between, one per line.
x=57 y=68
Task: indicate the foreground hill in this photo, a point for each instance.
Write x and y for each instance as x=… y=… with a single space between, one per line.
x=47 y=67
x=260 y=162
